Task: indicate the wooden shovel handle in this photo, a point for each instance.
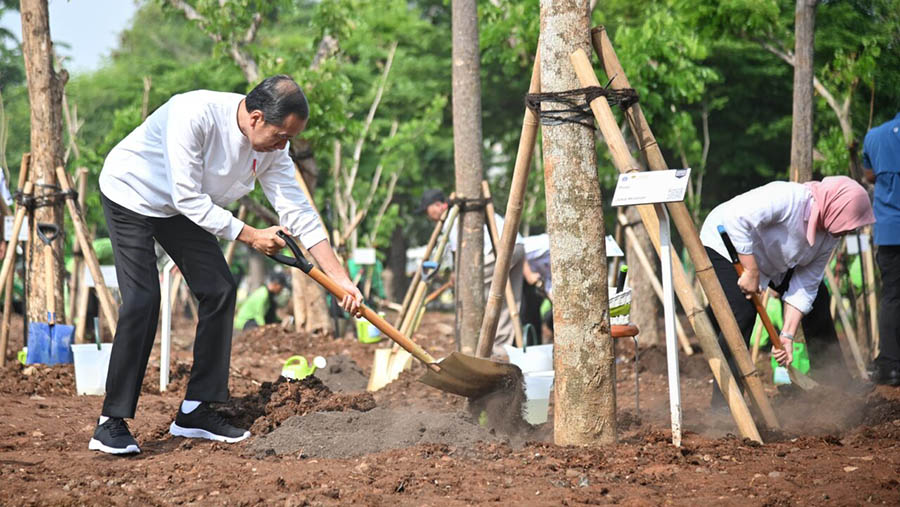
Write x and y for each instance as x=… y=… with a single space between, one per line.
x=754 y=297
x=299 y=261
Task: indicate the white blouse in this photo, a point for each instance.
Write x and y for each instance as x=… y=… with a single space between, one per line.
x=770 y=223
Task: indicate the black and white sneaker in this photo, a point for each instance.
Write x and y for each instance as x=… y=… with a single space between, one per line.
x=113 y=437
x=204 y=422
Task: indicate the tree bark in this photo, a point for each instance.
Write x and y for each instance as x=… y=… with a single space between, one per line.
x=585 y=410
x=394 y=274
x=45 y=89
x=802 y=124
x=468 y=169
x=647 y=315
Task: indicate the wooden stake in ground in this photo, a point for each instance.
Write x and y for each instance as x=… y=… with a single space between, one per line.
x=107 y=302
x=503 y=249
x=508 y=295
x=417 y=276
x=7 y=270
x=693 y=309
x=585 y=410
x=849 y=332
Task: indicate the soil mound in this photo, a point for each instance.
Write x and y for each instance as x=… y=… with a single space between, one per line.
x=351 y=434
x=37 y=379
x=342 y=374
x=275 y=402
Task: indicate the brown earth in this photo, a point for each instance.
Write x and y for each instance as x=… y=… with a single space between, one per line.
x=324 y=440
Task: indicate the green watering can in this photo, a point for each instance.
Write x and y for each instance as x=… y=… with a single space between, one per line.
x=297 y=368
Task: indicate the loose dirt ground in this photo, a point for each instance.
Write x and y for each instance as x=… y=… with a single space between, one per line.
x=325 y=441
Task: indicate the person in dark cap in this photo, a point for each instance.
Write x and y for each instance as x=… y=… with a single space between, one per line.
x=261 y=306
x=434 y=203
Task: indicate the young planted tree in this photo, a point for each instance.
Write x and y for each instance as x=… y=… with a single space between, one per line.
x=469 y=173
x=585 y=410
x=802 y=126
x=45 y=90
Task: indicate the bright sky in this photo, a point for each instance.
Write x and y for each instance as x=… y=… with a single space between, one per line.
x=89 y=27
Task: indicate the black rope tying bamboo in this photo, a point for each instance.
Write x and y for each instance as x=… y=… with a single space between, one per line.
x=578 y=102
x=57 y=196
x=476 y=203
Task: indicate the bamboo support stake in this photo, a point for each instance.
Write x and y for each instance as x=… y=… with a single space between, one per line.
x=417 y=276
x=657 y=287
x=509 y=295
x=849 y=331
x=513 y=216
x=107 y=302
x=872 y=292
x=81 y=305
x=419 y=295
x=77 y=256
x=702 y=325
x=7 y=271
x=625 y=163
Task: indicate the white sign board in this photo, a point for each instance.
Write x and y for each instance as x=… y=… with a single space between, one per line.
x=649 y=187
x=853 y=243
x=109 y=276
x=364 y=256
x=8 y=227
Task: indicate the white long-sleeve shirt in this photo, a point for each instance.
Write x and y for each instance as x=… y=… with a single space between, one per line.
x=770 y=223
x=190 y=158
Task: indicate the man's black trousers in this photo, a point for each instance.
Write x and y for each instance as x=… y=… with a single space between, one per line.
x=200 y=259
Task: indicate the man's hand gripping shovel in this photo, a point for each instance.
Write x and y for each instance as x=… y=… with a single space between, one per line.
x=458 y=373
x=797 y=377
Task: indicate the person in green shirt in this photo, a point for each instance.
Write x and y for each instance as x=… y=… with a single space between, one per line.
x=260 y=307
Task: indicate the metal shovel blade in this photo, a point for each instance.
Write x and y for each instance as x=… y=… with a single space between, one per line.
x=470 y=376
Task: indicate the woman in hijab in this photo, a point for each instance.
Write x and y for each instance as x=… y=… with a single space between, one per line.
x=784 y=234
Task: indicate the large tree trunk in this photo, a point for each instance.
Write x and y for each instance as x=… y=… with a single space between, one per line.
x=647 y=313
x=585 y=410
x=394 y=274
x=467 y=158
x=45 y=89
x=802 y=124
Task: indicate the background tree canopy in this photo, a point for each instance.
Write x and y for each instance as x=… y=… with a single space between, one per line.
x=714 y=79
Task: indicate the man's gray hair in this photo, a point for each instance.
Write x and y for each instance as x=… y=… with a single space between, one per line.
x=278 y=97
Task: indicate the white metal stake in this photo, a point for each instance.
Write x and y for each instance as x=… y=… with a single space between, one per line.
x=165 y=345
x=665 y=257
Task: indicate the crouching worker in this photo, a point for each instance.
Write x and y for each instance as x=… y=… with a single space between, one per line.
x=261 y=306
x=168 y=182
x=784 y=234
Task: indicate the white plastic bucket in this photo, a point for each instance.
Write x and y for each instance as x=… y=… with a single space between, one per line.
x=533 y=358
x=91 y=366
x=537 y=395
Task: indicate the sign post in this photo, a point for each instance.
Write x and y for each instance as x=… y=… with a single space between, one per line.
x=656 y=188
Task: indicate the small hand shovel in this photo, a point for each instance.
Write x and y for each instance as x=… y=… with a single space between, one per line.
x=457 y=374
x=797 y=377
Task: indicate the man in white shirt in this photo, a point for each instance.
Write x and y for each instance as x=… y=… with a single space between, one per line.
x=169 y=181
x=434 y=203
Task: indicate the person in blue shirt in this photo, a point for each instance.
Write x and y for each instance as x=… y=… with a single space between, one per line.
x=881 y=161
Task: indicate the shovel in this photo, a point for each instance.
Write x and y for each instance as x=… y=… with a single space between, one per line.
x=457 y=374
x=51 y=339
x=797 y=377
